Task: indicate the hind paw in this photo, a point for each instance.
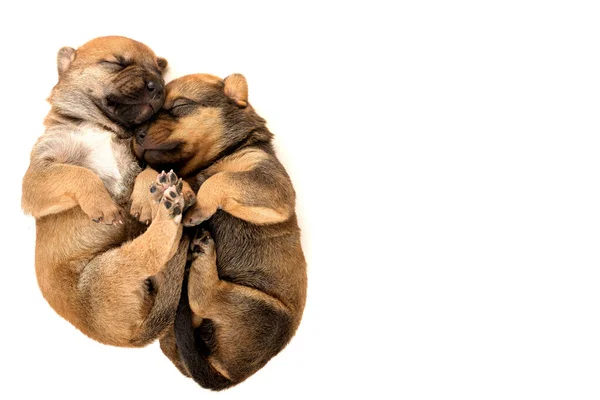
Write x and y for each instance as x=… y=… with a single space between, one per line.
x=202 y=243
x=164 y=180
x=168 y=191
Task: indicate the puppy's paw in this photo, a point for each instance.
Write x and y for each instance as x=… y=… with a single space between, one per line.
x=164 y=180
x=189 y=197
x=141 y=207
x=173 y=202
x=197 y=215
x=202 y=244
x=101 y=209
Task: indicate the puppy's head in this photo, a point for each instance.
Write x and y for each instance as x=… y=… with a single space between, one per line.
x=109 y=80
x=203 y=117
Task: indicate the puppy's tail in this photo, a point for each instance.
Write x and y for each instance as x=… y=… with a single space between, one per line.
x=194 y=352
x=162 y=314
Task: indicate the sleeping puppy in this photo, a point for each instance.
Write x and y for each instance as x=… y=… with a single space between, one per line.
x=246 y=290
x=89 y=267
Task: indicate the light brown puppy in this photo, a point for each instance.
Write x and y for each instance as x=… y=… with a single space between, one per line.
x=92 y=265
x=247 y=289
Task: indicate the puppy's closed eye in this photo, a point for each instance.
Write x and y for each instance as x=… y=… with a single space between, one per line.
x=182 y=107
x=113 y=65
x=117 y=63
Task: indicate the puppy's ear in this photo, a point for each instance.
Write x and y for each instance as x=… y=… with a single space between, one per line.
x=65 y=57
x=162 y=63
x=236 y=88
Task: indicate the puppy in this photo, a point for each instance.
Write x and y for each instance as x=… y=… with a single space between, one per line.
x=82 y=171
x=246 y=289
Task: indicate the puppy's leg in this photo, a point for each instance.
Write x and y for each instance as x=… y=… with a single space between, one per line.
x=249 y=195
x=165 y=288
x=203 y=276
x=112 y=286
x=50 y=188
x=143 y=204
x=160 y=239
x=242 y=328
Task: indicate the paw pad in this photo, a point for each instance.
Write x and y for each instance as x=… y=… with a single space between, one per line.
x=167 y=190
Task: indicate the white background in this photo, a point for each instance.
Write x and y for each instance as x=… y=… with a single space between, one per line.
x=445 y=157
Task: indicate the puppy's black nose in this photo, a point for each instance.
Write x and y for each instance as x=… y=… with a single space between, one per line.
x=151 y=86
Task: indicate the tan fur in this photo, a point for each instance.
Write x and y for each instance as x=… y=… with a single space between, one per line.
x=209 y=146
x=82 y=169
x=244 y=160
x=237 y=89
x=223 y=191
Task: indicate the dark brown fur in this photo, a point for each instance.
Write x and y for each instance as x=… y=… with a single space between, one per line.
x=246 y=290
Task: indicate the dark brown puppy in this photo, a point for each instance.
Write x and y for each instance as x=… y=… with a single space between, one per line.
x=246 y=289
x=91 y=266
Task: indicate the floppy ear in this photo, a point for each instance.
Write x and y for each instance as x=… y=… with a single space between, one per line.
x=65 y=56
x=236 y=88
x=162 y=63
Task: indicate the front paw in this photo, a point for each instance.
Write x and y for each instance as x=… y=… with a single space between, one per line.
x=101 y=209
x=164 y=180
x=141 y=207
x=197 y=215
x=143 y=201
x=189 y=197
x=173 y=202
x=168 y=191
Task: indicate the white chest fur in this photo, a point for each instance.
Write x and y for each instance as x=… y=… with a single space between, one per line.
x=101 y=157
x=95 y=149
x=110 y=159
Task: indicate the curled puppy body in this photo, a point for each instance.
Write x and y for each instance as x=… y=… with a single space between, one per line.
x=246 y=289
x=99 y=268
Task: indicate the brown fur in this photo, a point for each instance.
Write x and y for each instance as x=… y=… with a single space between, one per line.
x=95 y=265
x=248 y=295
